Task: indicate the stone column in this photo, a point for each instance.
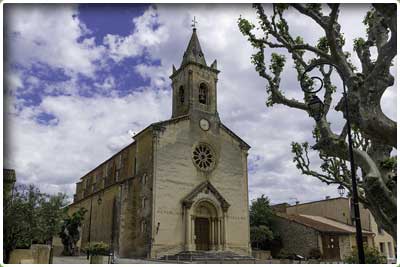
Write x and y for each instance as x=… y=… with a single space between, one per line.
x=218 y=233
x=187 y=229
x=192 y=233
x=224 y=221
x=212 y=234
x=221 y=233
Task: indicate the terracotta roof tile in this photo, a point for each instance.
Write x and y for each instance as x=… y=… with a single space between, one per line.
x=321 y=224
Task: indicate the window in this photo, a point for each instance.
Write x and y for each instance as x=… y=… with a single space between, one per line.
x=117 y=175
x=203 y=91
x=119 y=161
x=134 y=166
x=144 y=179
x=181 y=95
x=143 y=227
x=144 y=202
x=203 y=157
x=105 y=167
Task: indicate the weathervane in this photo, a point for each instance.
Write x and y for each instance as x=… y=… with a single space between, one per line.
x=194 y=23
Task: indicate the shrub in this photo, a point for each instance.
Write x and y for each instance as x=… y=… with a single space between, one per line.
x=315 y=253
x=98 y=248
x=284 y=254
x=372 y=256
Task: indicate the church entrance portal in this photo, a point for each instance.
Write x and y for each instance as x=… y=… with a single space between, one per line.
x=205 y=218
x=202 y=231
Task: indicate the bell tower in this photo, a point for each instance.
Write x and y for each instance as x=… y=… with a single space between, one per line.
x=194 y=84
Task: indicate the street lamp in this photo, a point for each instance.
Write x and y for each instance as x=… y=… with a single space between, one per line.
x=341 y=190
x=316 y=109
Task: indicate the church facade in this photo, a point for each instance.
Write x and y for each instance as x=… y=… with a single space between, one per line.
x=181 y=185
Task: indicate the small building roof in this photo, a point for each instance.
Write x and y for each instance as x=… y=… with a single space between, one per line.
x=321 y=224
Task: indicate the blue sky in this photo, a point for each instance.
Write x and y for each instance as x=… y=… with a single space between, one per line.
x=81 y=79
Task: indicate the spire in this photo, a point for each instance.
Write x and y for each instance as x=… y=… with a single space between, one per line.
x=193 y=51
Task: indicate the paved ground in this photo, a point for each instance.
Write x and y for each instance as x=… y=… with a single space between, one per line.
x=83 y=259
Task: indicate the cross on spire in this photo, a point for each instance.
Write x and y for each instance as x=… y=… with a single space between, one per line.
x=194 y=23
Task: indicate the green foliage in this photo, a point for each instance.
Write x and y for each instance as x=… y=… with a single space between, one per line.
x=372 y=256
x=323 y=44
x=281 y=7
x=260 y=212
x=284 y=254
x=390 y=163
x=245 y=26
x=98 y=248
x=260 y=234
x=277 y=63
x=70 y=231
x=358 y=43
x=316 y=8
x=260 y=222
x=30 y=217
x=258 y=60
x=368 y=17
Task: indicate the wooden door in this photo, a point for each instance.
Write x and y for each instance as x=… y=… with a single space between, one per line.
x=331 y=247
x=202 y=232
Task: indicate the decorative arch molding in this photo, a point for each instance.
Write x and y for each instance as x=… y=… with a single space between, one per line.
x=205 y=187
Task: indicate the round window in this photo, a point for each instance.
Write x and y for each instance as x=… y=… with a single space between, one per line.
x=203 y=157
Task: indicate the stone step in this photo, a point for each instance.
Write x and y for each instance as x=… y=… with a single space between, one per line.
x=205 y=255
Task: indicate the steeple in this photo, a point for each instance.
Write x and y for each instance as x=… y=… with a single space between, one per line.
x=194 y=83
x=193 y=51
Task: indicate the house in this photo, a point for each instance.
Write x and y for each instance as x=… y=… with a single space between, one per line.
x=341 y=210
x=300 y=234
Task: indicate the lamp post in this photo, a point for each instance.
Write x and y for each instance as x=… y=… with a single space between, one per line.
x=316 y=109
x=341 y=190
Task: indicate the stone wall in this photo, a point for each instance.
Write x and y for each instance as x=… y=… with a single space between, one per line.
x=261 y=254
x=345 y=246
x=176 y=177
x=297 y=238
x=117 y=218
x=37 y=254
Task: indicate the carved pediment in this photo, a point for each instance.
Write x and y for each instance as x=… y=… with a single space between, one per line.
x=206 y=188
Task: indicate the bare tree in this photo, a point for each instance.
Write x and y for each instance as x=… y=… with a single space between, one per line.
x=374 y=133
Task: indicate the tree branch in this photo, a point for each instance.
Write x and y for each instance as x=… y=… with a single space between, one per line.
x=310 y=13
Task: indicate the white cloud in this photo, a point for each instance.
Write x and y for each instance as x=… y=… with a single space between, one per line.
x=86 y=132
x=48 y=34
x=143 y=37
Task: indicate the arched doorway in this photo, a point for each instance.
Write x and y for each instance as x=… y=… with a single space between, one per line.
x=205 y=214
x=205 y=219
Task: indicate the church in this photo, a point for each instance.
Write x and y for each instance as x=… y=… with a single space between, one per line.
x=181 y=185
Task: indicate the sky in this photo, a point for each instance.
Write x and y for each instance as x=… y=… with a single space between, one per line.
x=81 y=79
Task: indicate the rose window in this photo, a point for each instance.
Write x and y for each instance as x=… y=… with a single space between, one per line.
x=203 y=157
